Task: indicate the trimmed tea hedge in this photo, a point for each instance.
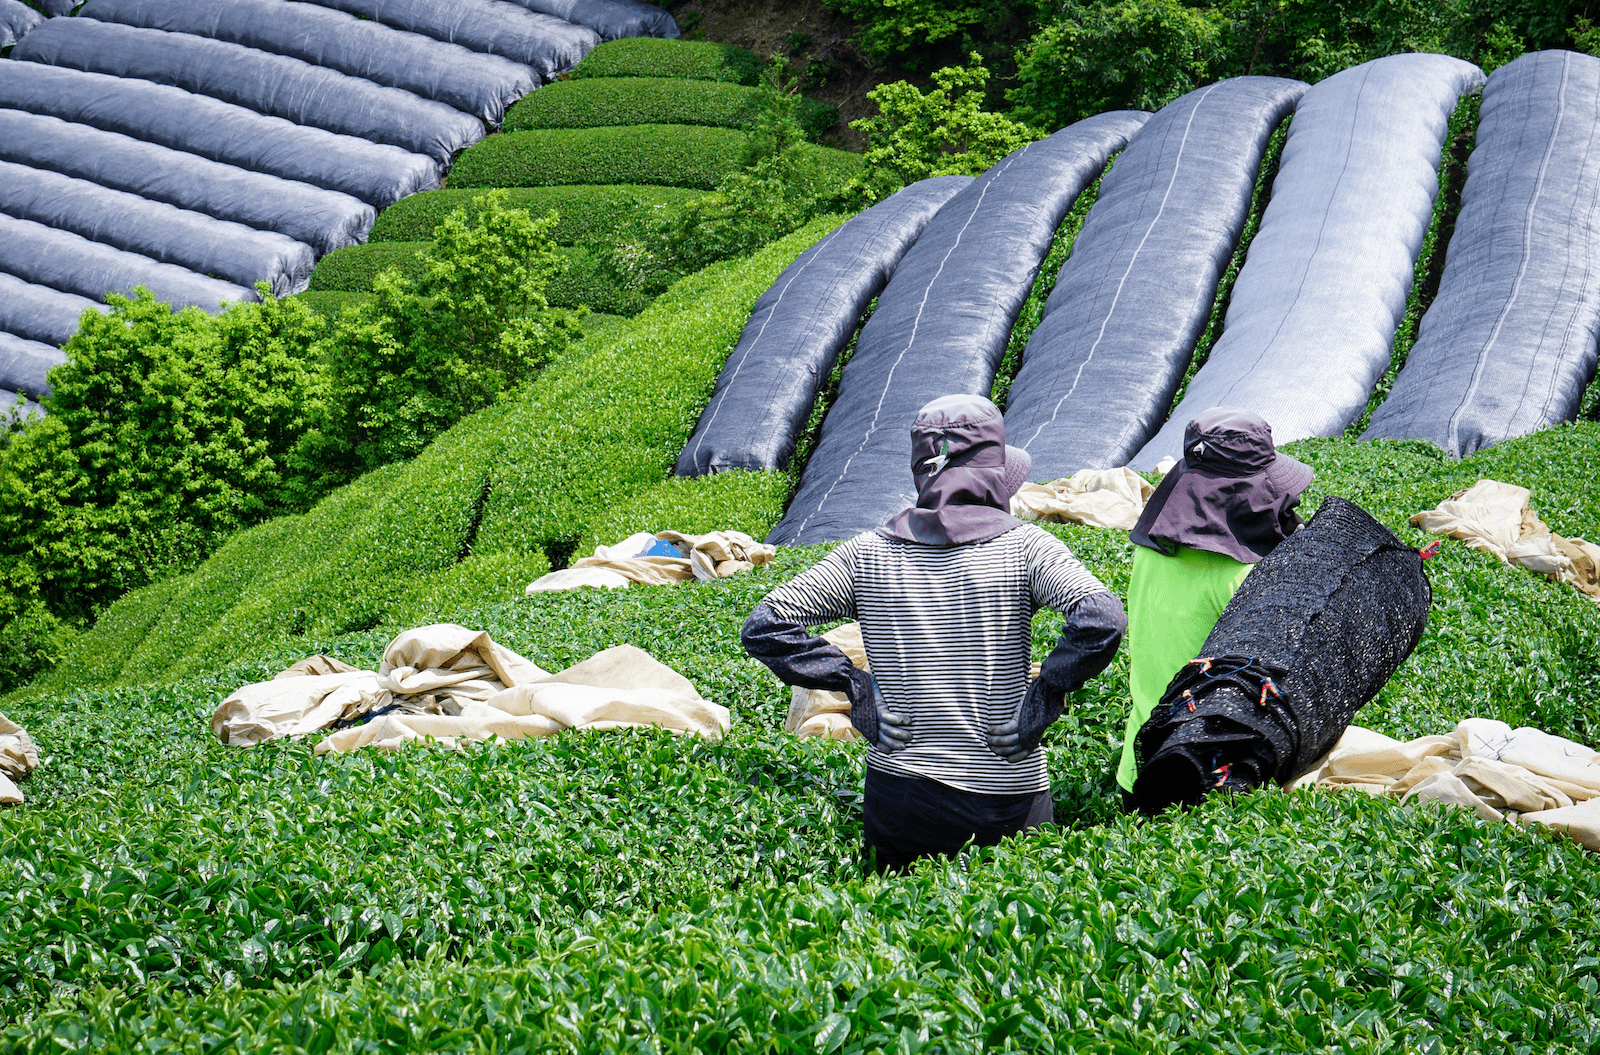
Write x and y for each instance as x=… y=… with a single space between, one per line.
x=695 y=505
x=347 y=274
x=593 y=430
x=331 y=303
x=652 y=57
x=598 y=101
x=667 y=155
x=587 y=212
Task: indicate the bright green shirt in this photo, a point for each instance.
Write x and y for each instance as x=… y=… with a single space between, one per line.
x=1173 y=602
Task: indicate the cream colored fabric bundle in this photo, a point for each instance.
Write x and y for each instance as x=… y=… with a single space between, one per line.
x=719 y=554
x=1496 y=518
x=618 y=687
x=1501 y=773
x=820 y=712
x=1111 y=498
x=18 y=758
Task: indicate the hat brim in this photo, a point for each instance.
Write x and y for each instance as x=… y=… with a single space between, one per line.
x=1289 y=475
x=1019 y=463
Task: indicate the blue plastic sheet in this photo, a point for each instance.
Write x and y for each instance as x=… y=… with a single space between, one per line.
x=270 y=84
x=941 y=326
x=768 y=385
x=1313 y=312
x=374 y=173
x=1118 y=330
x=1508 y=345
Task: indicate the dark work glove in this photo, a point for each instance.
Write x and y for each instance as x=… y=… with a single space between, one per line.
x=1018 y=738
x=870 y=714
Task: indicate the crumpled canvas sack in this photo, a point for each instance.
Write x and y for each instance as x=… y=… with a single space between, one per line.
x=18 y=758
x=618 y=687
x=1496 y=518
x=1500 y=773
x=822 y=712
x=711 y=556
x=1111 y=498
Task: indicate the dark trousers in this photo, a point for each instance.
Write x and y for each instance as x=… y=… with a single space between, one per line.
x=905 y=818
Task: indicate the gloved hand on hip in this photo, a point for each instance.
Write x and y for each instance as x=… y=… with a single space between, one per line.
x=869 y=713
x=1018 y=738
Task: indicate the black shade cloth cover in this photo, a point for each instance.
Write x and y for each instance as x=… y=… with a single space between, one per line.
x=270 y=84
x=23 y=365
x=770 y=382
x=1312 y=316
x=16 y=19
x=1130 y=302
x=479 y=84
x=549 y=45
x=374 y=173
x=1508 y=344
x=1316 y=630
x=324 y=219
x=227 y=250
x=66 y=261
x=941 y=326
x=609 y=18
x=39 y=313
x=53 y=8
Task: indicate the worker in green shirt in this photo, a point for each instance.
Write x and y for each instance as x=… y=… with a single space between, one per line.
x=1222 y=508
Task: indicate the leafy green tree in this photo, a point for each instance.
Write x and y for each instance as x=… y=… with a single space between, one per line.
x=944 y=131
x=425 y=353
x=916 y=34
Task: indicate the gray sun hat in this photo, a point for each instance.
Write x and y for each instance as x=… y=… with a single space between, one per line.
x=964 y=472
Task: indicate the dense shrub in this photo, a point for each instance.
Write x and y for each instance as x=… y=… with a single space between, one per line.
x=922 y=34
x=331 y=304
x=652 y=57
x=669 y=155
x=166 y=433
x=600 y=101
x=437 y=345
x=581 y=281
x=586 y=213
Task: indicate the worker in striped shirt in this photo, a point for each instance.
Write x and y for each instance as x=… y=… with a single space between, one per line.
x=945 y=593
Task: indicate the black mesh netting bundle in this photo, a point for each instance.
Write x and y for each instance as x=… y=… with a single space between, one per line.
x=1317 y=629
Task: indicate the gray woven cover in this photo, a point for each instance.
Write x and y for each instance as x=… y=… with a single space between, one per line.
x=23 y=366
x=609 y=18
x=16 y=19
x=270 y=84
x=1108 y=355
x=39 y=313
x=66 y=261
x=1508 y=345
x=155 y=229
x=478 y=84
x=55 y=8
x=941 y=326
x=770 y=382
x=497 y=27
x=1316 y=631
x=1324 y=284
x=374 y=173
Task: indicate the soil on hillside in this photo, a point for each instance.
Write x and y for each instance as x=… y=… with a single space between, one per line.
x=818 y=45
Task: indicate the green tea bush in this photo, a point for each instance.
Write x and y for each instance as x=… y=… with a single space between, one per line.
x=352 y=269
x=694 y=505
x=601 y=101
x=652 y=57
x=347 y=275
x=587 y=213
x=670 y=155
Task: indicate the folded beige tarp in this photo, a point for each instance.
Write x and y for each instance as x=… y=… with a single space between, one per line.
x=712 y=556
x=18 y=758
x=1496 y=518
x=1521 y=775
x=1111 y=498
x=455 y=685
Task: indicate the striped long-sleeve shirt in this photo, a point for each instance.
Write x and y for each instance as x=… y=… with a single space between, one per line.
x=948 y=631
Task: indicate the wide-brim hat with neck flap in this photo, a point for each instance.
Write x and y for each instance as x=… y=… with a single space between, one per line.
x=965 y=474
x=1233 y=492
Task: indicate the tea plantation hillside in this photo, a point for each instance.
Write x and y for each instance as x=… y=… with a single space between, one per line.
x=633 y=891
x=642 y=124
